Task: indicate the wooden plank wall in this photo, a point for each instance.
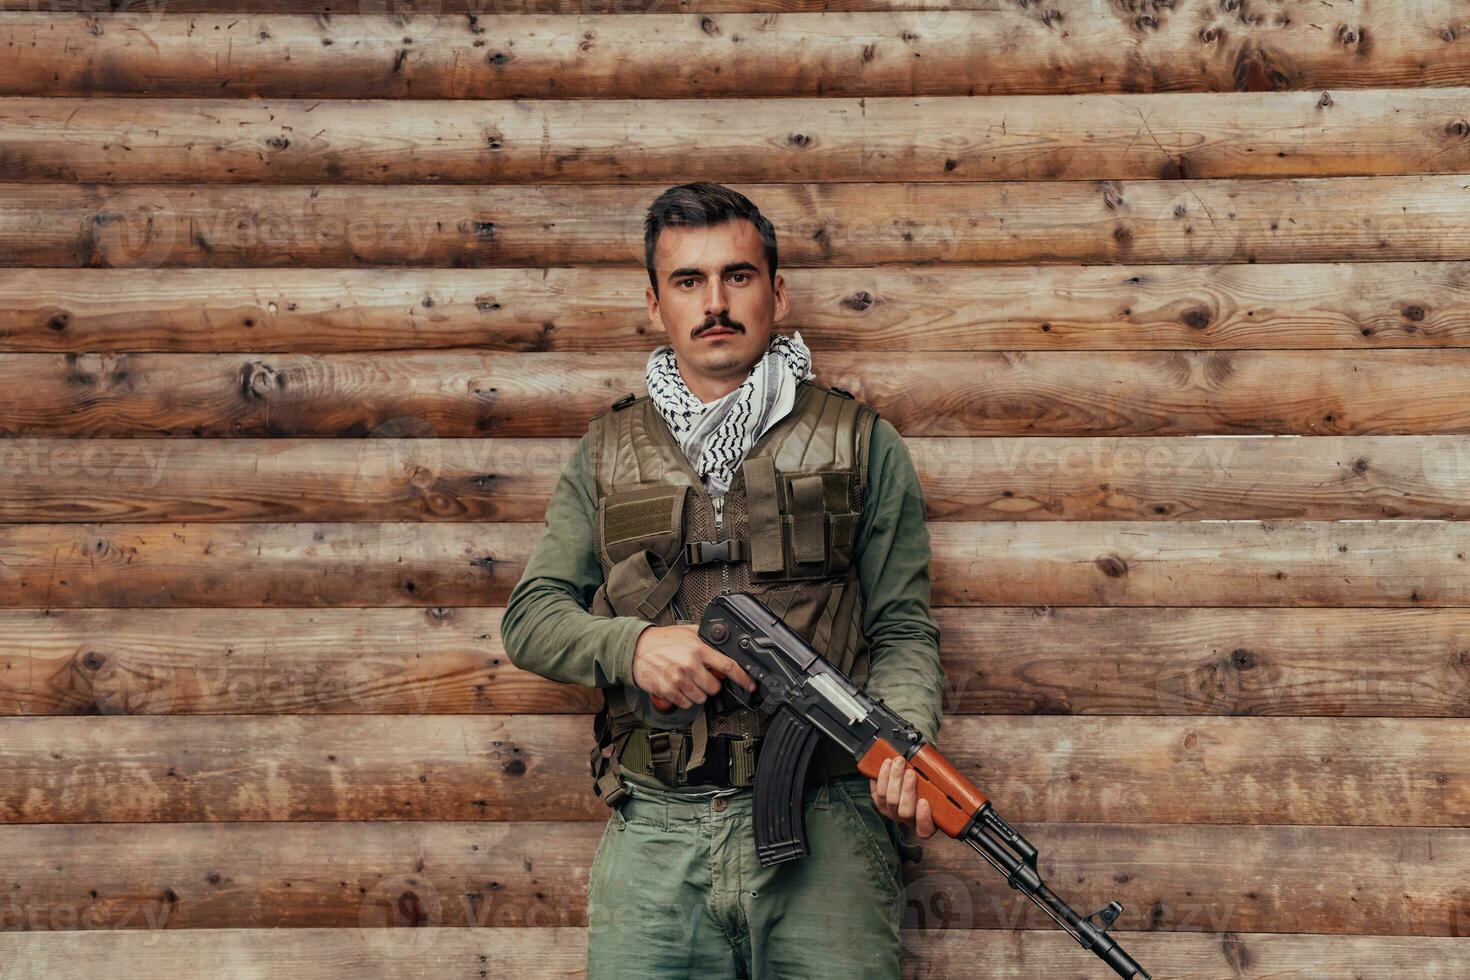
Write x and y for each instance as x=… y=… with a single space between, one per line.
x=303 y=307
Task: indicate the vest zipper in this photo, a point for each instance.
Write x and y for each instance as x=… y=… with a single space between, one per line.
x=724 y=565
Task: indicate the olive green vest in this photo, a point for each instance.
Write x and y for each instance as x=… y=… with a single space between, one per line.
x=787 y=534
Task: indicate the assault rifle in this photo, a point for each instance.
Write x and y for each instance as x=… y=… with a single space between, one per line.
x=809 y=698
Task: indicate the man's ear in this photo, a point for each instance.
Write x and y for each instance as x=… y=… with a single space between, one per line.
x=783 y=306
x=654 y=316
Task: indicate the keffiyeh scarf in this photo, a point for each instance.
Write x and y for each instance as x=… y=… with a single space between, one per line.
x=716 y=435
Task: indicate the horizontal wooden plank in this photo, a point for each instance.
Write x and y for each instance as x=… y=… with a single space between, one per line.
x=268 y=875
x=1158 y=478
x=251 y=565
x=1048 y=661
x=1006 y=50
x=437 y=660
x=1204 y=563
x=1080 y=137
x=1308 y=771
x=392 y=476
x=1361 y=306
x=445 y=394
x=444 y=953
x=1309 y=219
x=1073 y=563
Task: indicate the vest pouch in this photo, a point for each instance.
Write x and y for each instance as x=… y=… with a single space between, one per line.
x=628 y=584
x=818 y=529
x=647 y=518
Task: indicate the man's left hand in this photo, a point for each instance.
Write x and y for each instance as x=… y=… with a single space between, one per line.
x=896 y=795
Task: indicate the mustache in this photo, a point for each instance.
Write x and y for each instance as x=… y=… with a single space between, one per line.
x=722 y=320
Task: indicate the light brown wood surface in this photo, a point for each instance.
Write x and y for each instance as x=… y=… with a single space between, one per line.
x=405 y=952
x=1004 y=50
x=1359 y=306
x=477 y=393
x=1330 y=662
x=1307 y=771
x=304 y=307
x=1098 y=563
x=1041 y=137
x=1177 y=878
x=1235 y=220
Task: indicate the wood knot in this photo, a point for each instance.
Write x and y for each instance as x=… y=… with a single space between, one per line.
x=1197 y=318
x=257 y=381
x=859 y=301
x=1112 y=566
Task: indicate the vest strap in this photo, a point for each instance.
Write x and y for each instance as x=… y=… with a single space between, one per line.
x=809 y=531
x=763 y=511
x=663 y=593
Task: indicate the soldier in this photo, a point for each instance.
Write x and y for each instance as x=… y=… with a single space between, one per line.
x=736 y=472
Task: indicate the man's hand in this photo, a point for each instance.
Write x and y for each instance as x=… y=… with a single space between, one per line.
x=676 y=667
x=896 y=795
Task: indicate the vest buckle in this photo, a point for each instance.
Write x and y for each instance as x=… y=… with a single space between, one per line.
x=704 y=552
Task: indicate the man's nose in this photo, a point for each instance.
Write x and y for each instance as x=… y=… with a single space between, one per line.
x=715 y=300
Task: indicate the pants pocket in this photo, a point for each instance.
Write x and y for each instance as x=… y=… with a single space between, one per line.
x=872 y=832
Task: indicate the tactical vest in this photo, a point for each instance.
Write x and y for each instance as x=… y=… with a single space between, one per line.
x=786 y=535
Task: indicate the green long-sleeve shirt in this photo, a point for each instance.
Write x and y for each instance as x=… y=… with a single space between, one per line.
x=548 y=630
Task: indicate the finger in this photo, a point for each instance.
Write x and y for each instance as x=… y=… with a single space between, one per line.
x=725 y=667
x=876 y=782
x=692 y=691
x=895 y=782
x=660 y=704
x=908 y=795
x=876 y=787
x=708 y=680
x=924 y=820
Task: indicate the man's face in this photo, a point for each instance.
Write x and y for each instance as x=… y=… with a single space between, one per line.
x=716 y=301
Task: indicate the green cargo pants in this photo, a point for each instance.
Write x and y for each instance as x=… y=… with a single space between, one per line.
x=676 y=890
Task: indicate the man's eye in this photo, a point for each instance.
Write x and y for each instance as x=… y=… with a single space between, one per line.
x=741 y=276
x=683 y=281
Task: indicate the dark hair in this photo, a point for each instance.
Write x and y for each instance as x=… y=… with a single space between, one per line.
x=698 y=205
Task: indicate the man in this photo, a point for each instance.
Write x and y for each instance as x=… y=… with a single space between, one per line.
x=736 y=473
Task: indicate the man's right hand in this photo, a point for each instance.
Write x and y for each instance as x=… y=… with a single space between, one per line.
x=676 y=667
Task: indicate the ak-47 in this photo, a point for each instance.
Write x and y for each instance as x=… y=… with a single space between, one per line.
x=809 y=698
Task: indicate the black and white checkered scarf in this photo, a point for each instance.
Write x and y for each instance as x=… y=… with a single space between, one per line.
x=716 y=435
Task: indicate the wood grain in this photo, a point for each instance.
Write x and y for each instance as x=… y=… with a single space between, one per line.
x=396 y=477
x=999 y=661
x=398 y=951
x=1308 y=771
x=1043 y=137
x=1361 y=306
x=1401 y=882
x=441 y=394
x=1098 y=563
x=1308 y=219
x=1012 y=50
